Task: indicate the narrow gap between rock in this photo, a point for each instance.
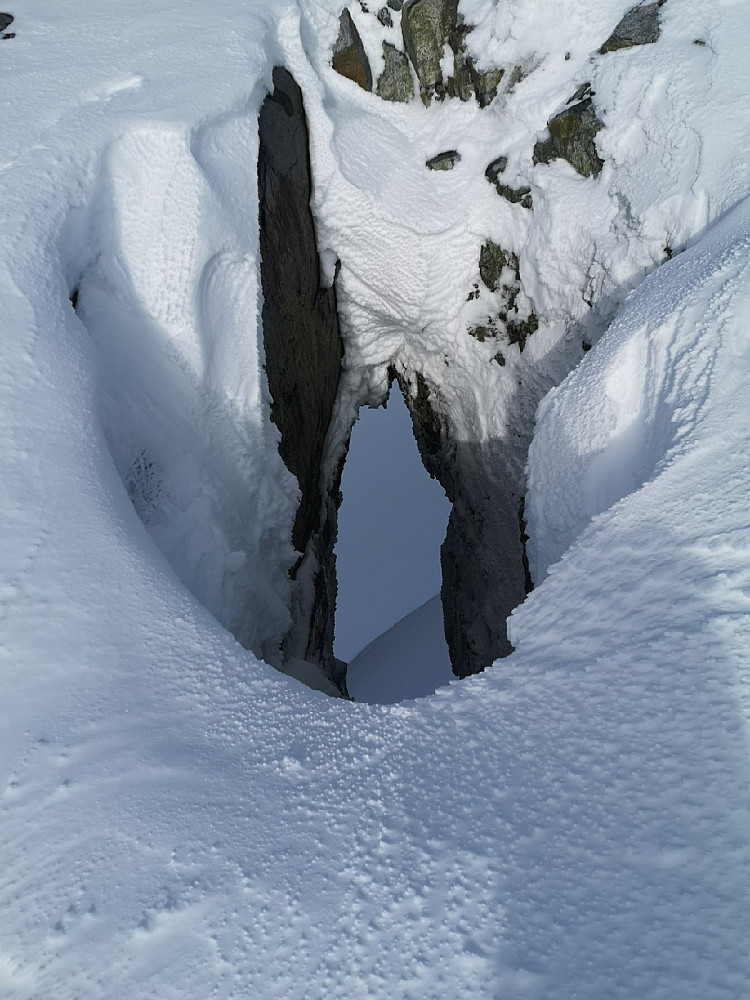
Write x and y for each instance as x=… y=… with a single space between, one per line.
x=389 y=620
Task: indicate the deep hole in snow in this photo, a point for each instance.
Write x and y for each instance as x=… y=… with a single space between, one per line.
x=391 y=525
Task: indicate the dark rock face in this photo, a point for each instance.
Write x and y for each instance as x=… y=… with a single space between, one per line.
x=639 y=26
x=349 y=56
x=482 y=555
x=303 y=345
x=444 y=161
x=396 y=83
x=5 y=21
x=572 y=134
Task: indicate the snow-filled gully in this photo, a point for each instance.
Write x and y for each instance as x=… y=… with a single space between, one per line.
x=483 y=559
x=377 y=270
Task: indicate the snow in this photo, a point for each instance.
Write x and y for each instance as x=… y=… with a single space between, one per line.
x=409 y=660
x=178 y=818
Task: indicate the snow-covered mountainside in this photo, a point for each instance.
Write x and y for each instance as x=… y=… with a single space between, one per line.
x=178 y=818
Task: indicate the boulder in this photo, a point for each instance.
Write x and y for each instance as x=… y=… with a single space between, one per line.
x=349 y=56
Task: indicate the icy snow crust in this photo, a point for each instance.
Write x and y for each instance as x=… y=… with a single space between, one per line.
x=179 y=820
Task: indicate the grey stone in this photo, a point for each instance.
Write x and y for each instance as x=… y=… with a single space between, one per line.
x=385 y=17
x=349 y=56
x=444 y=161
x=395 y=4
x=396 y=83
x=5 y=21
x=639 y=26
x=572 y=134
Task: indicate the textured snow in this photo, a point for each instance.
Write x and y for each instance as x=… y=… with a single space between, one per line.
x=180 y=820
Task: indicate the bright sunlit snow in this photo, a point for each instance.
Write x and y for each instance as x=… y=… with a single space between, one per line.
x=181 y=821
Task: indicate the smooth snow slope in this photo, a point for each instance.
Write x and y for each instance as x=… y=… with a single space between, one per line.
x=180 y=821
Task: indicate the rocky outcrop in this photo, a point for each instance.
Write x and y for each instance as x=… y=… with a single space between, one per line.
x=572 y=135
x=427 y=27
x=396 y=83
x=640 y=26
x=349 y=56
x=482 y=555
x=303 y=349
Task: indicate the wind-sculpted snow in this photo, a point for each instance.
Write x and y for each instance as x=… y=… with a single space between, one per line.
x=179 y=820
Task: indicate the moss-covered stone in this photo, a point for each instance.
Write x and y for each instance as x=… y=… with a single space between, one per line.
x=640 y=26
x=492 y=261
x=396 y=83
x=444 y=161
x=571 y=137
x=349 y=56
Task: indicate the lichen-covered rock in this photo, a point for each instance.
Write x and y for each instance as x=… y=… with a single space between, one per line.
x=639 y=26
x=396 y=83
x=444 y=161
x=349 y=56
x=500 y=271
x=486 y=84
x=571 y=137
x=492 y=262
x=426 y=25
